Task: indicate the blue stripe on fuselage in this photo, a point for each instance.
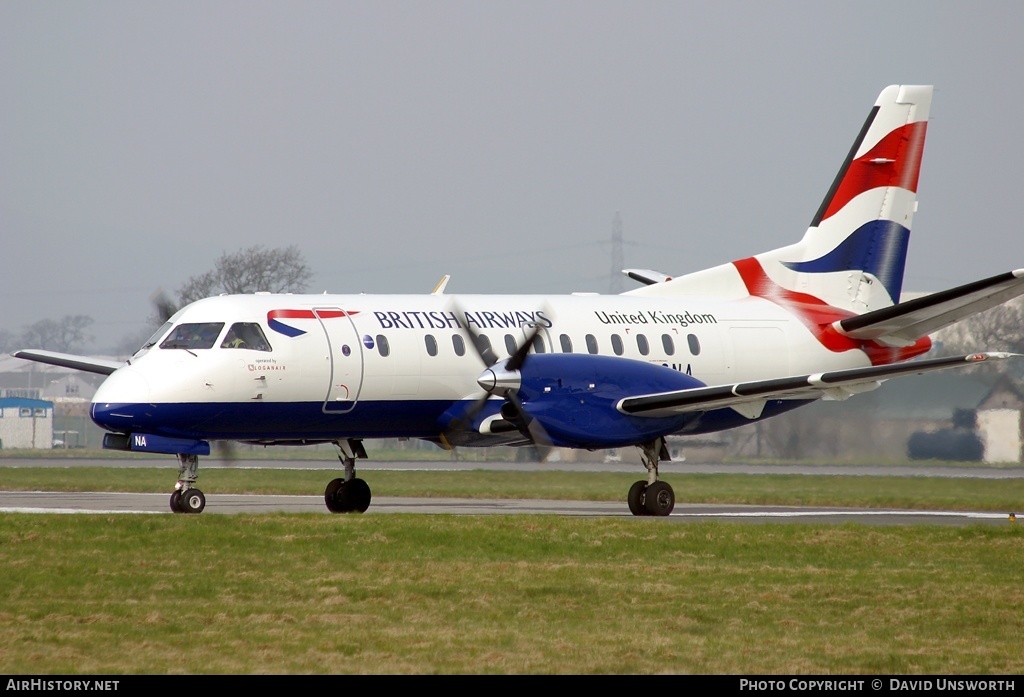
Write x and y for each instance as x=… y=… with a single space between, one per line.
x=291 y=421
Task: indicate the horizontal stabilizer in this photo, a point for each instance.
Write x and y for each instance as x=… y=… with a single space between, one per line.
x=101 y=366
x=836 y=384
x=647 y=276
x=903 y=324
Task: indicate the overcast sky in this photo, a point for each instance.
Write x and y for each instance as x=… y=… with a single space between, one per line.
x=395 y=142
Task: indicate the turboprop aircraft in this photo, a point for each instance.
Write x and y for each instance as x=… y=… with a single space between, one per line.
x=701 y=352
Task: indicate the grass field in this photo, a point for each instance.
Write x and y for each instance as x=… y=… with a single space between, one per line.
x=418 y=594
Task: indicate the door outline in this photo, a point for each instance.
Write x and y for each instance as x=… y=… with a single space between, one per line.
x=346 y=374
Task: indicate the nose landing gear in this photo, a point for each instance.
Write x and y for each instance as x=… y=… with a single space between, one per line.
x=186 y=497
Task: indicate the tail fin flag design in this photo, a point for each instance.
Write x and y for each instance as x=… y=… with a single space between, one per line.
x=853 y=254
x=863 y=224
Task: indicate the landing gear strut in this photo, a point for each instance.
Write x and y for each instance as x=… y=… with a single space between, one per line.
x=186 y=497
x=351 y=494
x=652 y=497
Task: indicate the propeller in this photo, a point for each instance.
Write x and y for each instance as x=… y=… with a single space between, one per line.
x=164 y=305
x=503 y=380
x=226 y=451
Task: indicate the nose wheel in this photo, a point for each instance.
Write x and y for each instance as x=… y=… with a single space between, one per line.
x=188 y=501
x=186 y=498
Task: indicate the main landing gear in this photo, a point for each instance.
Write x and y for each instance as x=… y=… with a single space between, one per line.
x=351 y=494
x=186 y=497
x=652 y=497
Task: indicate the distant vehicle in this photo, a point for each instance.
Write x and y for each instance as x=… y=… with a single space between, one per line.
x=687 y=355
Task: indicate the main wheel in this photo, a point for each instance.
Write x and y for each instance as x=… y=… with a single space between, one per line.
x=357 y=495
x=635 y=499
x=192 y=501
x=659 y=499
x=334 y=496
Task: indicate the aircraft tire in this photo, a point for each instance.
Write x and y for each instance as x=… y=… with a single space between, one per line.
x=176 y=502
x=635 y=498
x=193 y=501
x=357 y=495
x=659 y=499
x=334 y=496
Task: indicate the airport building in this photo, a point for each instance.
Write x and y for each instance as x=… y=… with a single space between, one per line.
x=25 y=423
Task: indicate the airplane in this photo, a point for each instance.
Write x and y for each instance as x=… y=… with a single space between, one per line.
x=679 y=355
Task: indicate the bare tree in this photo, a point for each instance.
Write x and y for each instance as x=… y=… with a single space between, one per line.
x=9 y=341
x=998 y=329
x=281 y=270
x=250 y=270
x=67 y=334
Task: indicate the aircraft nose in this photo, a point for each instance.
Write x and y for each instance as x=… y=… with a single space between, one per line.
x=123 y=388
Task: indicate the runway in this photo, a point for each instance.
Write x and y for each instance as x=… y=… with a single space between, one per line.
x=154 y=504
x=667 y=468
x=157 y=504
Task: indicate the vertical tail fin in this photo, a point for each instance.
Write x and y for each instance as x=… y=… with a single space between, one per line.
x=854 y=252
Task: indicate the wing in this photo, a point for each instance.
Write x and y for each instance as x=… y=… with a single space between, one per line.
x=90 y=365
x=901 y=325
x=749 y=397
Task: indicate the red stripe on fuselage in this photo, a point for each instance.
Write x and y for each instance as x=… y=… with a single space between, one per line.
x=818 y=316
x=309 y=314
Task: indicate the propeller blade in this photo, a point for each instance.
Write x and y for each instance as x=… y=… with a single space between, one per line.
x=532 y=428
x=479 y=343
x=226 y=451
x=519 y=357
x=165 y=307
x=466 y=420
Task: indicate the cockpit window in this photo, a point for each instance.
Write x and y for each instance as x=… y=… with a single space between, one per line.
x=151 y=341
x=193 y=336
x=246 y=335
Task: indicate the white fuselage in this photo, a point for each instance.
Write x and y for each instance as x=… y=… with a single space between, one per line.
x=389 y=365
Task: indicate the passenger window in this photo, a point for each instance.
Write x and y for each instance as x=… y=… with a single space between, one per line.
x=510 y=344
x=246 y=335
x=617 y=345
x=459 y=345
x=193 y=336
x=668 y=344
x=641 y=343
x=566 y=343
x=484 y=345
x=694 y=344
x=591 y=343
x=382 y=346
x=431 y=343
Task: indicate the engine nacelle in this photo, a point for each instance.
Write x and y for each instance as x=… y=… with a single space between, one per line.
x=573 y=397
